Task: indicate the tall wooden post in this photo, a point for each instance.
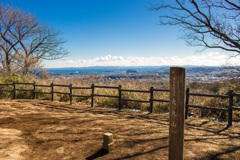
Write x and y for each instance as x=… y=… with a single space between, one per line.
x=34 y=90
x=14 y=91
x=151 y=100
x=52 y=91
x=70 y=94
x=186 y=103
x=176 y=124
x=230 y=93
x=120 y=97
x=92 y=95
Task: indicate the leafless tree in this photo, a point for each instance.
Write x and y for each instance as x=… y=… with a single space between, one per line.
x=6 y=41
x=205 y=23
x=25 y=41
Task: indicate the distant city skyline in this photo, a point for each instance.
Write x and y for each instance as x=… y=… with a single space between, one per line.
x=118 y=33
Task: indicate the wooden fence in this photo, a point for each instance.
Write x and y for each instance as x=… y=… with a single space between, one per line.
x=228 y=108
x=151 y=100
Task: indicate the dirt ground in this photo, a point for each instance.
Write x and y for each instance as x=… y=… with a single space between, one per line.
x=34 y=129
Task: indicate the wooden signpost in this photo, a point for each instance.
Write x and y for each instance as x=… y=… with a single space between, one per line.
x=176 y=114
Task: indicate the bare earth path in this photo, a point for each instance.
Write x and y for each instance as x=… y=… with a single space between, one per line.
x=42 y=130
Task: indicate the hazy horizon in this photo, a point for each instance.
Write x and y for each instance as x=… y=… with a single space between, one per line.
x=209 y=59
x=130 y=66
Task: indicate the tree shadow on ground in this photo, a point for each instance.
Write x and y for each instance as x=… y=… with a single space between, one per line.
x=216 y=156
x=142 y=153
x=131 y=115
x=105 y=111
x=209 y=134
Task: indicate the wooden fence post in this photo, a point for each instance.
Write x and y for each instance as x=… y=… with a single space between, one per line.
x=70 y=94
x=176 y=114
x=34 y=88
x=14 y=91
x=151 y=99
x=52 y=91
x=230 y=103
x=120 y=97
x=187 y=101
x=92 y=100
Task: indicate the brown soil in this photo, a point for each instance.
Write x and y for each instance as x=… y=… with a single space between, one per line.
x=33 y=129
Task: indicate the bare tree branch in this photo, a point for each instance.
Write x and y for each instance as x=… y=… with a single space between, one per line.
x=217 y=20
x=25 y=41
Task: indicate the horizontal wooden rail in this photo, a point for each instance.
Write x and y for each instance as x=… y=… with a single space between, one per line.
x=6 y=90
x=236 y=108
x=23 y=89
x=129 y=90
x=135 y=100
x=25 y=83
x=81 y=88
x=208 y=95
x=99 y=95
x=162 y=90
x=6 y=84
x=81 y=96
x=109 y=87
x=37 y=85
x=212 y=108
x=42 y=92
x=60 y=85
x=160 y=100
x=60 y=92
x=236 y=94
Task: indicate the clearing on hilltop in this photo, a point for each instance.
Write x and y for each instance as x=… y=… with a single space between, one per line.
x=34 y=129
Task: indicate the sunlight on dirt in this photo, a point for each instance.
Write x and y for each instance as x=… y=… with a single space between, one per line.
x=34 y=129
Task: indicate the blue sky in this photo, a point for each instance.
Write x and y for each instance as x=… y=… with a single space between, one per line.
x=96 y=29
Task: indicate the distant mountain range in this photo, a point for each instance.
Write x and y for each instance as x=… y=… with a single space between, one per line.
x=193 y=73
x=115 y=69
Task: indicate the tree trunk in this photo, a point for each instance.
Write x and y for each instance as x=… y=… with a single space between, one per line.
x=26 y=67
x=8 y=66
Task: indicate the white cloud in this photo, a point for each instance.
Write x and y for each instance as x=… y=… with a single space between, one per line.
x=210 y=59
